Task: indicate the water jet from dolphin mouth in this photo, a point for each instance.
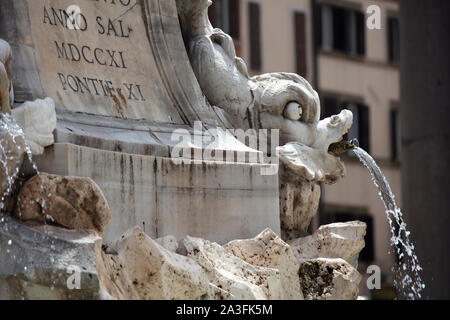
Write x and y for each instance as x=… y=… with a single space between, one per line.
x=408 y=281
x=342 y=146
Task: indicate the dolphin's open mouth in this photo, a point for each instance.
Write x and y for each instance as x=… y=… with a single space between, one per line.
x=342 y=146
x=340 y=125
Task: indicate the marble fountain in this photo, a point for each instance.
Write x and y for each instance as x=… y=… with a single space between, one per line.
x=139 y=160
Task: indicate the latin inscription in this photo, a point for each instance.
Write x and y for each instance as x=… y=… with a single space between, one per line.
x=98 y=57
x=86 y=55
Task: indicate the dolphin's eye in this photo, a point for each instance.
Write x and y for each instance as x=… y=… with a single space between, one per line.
x=293 y=111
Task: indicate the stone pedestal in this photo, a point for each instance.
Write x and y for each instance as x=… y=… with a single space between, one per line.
x=299 y=202
x=218 y=202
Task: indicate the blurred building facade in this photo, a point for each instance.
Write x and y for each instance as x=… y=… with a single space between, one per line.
x=351 y=66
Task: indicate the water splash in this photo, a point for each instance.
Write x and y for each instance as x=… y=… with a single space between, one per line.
x=14 y=139
x=408 y=280
x=13 y=145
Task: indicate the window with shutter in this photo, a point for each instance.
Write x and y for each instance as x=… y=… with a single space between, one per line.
x=300 y=43
x=225 y=15
x=339 y=29
x=330 y=106
x=234 y=19
x=219 y=15
x=255 y=36
x=395 y=135
x=342 y=29
x=393 y=40
x=360 y=33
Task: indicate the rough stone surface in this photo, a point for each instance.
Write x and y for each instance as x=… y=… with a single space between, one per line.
x=269 y=251
x=337 y=240
x=216 y=293
x=72 y=202
x=233 y=275
x=37 y=262
x=114 y=279
x=157 y=273
x=329 y=279
x=38 y=121
x=299 y=202
x=168 y=242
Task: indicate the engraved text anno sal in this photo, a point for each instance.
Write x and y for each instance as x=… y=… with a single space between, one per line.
x=86 y=54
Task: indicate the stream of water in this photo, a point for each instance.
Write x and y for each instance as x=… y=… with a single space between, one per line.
x=13 y=145
x=408 y=281
x=14 y=133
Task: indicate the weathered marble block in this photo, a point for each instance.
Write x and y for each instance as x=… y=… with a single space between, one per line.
x=218 y=202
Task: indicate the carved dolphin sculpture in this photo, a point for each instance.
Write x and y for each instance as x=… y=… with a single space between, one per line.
x=316 y=162
x=280 y=100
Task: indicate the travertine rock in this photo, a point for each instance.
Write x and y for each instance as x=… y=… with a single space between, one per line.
x=299 y=202
x=168 y=242
x=227 y=272
x=44 y=262
x=114 y=278
x=72 y=202
x=216 y=293
x=329 y=279
x=38 y=120
x=337 y=240
x=157 y=273
x=268 y=250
